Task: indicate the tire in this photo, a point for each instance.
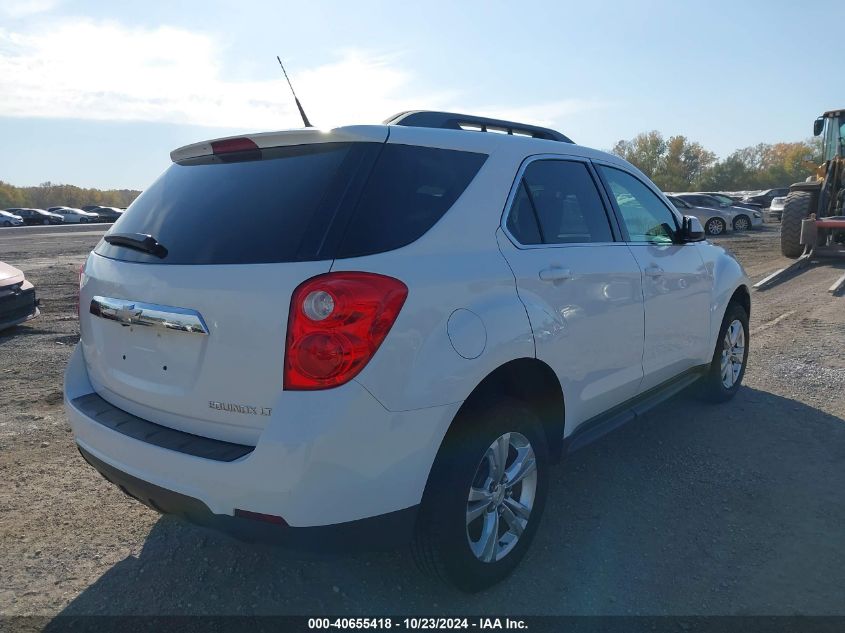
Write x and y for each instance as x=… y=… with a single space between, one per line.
x=46 y=222
x=7 y=223
x=796 y=209
x=83 y=220
x=715 y=226
x=741 y=223
x=715 y=385
x=466 y=461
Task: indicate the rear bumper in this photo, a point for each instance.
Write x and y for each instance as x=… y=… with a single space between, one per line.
x=382 y=532
x=324 y=460
x=18 y=308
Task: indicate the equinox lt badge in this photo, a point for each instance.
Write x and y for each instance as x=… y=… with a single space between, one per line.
x=239 y=408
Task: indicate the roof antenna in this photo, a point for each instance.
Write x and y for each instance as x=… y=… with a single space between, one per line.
x=298 y=105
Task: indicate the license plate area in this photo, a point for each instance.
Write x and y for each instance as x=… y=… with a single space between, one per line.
x=143 y=357
x=148 y=346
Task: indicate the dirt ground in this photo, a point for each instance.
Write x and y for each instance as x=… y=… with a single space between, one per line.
x=697 y=509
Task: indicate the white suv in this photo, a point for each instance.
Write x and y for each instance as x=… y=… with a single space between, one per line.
x=393 y=337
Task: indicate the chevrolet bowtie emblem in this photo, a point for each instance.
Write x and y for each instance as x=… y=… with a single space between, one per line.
x=151 y=315
x=127 y=314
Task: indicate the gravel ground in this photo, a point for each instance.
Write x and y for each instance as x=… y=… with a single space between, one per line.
x=697 y=509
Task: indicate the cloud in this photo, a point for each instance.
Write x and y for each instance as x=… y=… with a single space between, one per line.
x=25 y=8
x=104 y=70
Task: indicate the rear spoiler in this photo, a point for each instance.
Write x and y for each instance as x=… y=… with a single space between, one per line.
x=349 y=134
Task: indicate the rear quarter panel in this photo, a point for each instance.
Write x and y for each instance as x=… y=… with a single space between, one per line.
x=456 y=265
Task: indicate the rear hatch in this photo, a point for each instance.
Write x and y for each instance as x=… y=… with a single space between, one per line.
x=194 y=339
x=184 y=304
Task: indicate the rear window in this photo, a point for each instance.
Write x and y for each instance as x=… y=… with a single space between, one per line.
x=297 y=203
x=410 y=189
x=258 y=207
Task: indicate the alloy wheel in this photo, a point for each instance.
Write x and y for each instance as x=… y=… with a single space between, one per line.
x=501 y=497
x=714 y=227
x=733 y=353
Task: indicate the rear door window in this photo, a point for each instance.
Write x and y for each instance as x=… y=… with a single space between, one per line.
x=522 y=219
x=559 y=198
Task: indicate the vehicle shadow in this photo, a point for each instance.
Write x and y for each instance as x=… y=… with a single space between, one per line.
x=749 y=233
x=21 y=330
x=696 y=509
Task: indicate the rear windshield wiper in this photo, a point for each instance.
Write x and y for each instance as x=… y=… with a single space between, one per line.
x=138 y=241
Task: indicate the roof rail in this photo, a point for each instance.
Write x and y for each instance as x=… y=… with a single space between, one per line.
x=454 y=121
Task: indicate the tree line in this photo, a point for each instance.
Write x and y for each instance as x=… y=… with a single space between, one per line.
x=679 y=164
x=48 y=194
x=674 y=164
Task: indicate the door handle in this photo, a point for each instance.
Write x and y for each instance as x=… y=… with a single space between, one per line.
x=653 y=271
x=555 y=273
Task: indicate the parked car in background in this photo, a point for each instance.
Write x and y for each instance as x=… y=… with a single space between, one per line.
x=775 y=212
x=400 y=376
x=742 y=219
x=109 y=214
x=764 y=198
x=37 y=216
x=734 y=201
x=17 y=297
x=90 y=207
x=10 y=219
x=74 y=216
x=714 y=221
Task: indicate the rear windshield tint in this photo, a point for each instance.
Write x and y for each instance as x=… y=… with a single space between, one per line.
x=222 y=210
x=298 y=203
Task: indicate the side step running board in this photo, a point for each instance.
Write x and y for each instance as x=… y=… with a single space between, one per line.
x=591 y=430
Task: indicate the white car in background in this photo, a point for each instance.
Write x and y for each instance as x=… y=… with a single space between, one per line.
x=75 y=216
x=742 y=218
x=329 y=372
x=17 y=297
x=10 y=219
x=775 y=211
x=714 y=221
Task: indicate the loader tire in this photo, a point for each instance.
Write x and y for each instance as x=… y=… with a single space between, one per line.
x=796 y=209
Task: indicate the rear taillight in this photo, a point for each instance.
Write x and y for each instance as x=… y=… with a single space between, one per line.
x=336 y=323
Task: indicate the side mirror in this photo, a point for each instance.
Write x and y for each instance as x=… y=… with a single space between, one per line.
x=818 y=126
x=691 y=229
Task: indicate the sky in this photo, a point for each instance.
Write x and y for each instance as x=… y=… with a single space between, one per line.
x=96 y=94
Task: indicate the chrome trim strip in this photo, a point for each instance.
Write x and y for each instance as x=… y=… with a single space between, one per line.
x=149 y=315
